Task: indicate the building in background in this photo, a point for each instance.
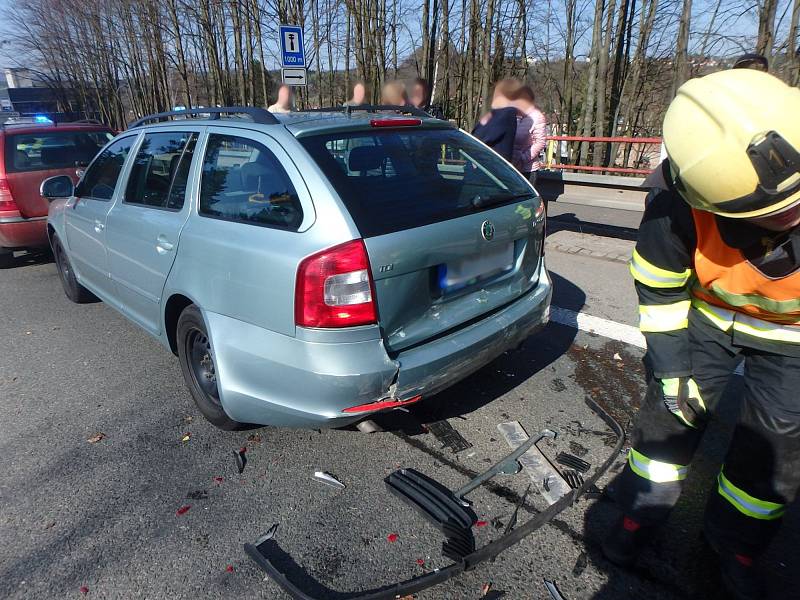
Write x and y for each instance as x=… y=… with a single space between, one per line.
x=25 y=93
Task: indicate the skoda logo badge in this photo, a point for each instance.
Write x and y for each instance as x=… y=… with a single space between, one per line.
x=487 y=230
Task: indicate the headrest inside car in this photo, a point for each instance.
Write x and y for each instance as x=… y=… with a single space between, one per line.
x=365 y=158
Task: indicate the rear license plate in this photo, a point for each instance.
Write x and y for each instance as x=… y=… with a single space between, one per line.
x=493 y=261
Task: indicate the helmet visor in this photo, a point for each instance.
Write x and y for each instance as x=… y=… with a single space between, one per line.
x=777 y=165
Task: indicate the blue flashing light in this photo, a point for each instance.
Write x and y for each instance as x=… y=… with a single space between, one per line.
x=41 y=119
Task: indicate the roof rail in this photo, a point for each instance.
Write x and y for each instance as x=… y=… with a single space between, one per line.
x=259 y=115
x=407 y=109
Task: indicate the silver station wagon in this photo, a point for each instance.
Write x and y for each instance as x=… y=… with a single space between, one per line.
x=307 y=269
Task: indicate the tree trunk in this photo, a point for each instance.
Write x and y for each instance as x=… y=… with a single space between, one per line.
x=766 y=27
x=681 y=71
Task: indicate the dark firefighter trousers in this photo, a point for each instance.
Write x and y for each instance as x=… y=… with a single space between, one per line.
x=761 y=471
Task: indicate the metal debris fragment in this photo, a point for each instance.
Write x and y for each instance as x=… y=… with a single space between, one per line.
x=553 y=590
x=328 y=479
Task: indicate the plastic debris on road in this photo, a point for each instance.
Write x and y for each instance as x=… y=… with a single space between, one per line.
x=392 y=537
x=186 y=437
x=485 y=589
x=328 y=479
x=580 y=565
x=218 y=480
x=197 y=495
x=241 y=459
x=229 y=569
x=183 y=509
x=96 y=437
x=83 y=589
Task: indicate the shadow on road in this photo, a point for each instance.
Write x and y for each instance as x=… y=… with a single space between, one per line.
x=25 y=258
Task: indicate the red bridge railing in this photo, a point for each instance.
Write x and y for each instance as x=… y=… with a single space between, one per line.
x=552 y=144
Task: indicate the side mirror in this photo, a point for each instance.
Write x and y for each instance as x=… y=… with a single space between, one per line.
x=57 y=187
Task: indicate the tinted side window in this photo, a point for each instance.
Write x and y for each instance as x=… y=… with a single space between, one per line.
x=101 y=178
x=160 y=170
x=244 y=182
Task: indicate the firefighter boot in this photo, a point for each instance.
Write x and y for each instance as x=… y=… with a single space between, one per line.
x=625 y=540
x=741 y=579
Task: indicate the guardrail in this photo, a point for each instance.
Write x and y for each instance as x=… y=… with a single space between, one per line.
x=553 y=143
x=590 y=189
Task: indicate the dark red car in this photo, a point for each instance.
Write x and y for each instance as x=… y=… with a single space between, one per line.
x=29 y=154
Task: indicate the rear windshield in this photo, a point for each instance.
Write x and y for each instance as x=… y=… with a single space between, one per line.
x=52 y=150
x=392 y=180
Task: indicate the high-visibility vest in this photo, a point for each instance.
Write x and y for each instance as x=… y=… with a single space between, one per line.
x=731 y=292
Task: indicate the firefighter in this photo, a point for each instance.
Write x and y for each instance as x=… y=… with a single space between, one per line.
x=717 y=272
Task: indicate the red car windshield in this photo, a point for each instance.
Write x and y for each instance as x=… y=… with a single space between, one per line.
x=38 y=151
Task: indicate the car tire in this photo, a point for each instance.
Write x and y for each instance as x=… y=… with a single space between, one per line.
x=199 y=369
x=74 y=290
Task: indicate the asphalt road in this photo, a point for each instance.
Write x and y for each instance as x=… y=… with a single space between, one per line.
x=100 y=519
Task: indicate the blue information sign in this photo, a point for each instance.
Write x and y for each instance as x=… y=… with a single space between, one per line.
x=292 y=53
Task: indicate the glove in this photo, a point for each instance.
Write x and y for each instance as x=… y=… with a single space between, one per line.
x=682 y=398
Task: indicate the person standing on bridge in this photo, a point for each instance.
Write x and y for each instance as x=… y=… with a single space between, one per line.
x=717 y=272
x=531 y=135
x=359 y=95
x=284 y=102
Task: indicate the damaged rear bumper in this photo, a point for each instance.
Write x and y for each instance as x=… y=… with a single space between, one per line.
x=310 y=379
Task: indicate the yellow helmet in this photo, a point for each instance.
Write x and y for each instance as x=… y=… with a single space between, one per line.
x=733 y=141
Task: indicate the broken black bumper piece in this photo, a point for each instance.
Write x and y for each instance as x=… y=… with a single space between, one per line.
x=448 y=512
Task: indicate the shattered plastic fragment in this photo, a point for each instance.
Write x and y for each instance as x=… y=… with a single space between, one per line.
x=481 y=523
x=420 y=562
x=183 y=509
x=241 y=459
x=186 y=437
x=96 y=437
x=254 y=438
x=485 y=589
x=83 y=589
x=392 y=537
x=218 y=480
x=229 y=569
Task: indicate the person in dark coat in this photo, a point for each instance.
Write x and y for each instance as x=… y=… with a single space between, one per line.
x=497 y=130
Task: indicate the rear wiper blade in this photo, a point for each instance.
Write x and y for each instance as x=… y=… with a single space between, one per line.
x=479 y=201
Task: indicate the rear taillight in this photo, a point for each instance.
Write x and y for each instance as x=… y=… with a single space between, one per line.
x=6 y=199
x=334 y=288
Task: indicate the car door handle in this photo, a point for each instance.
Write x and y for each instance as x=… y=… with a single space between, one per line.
x=99 y=226
x=163 y=246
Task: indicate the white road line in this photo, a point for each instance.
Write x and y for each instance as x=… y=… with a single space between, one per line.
x=609 y=329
